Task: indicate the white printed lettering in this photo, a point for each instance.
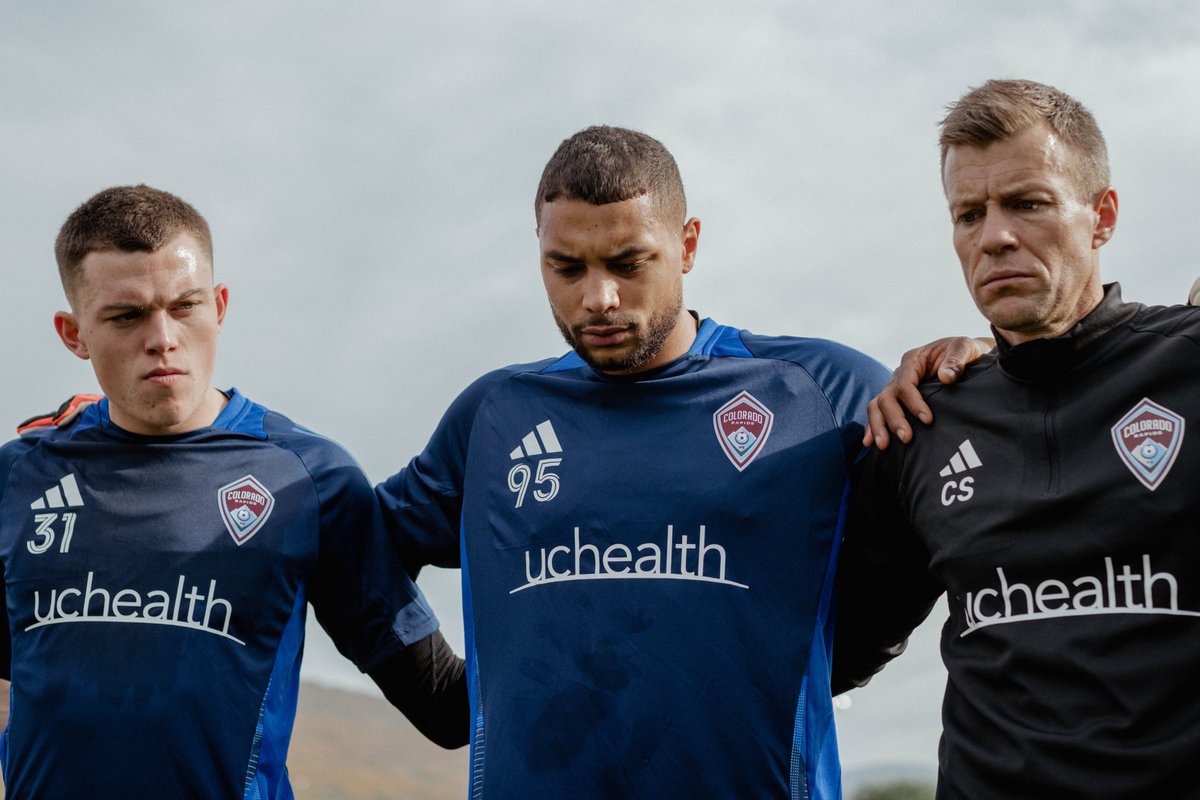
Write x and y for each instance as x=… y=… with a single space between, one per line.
x=120 y=601
x=958 y=491
x=680 y=558
x=1049 y=591
x=610 y=557
x=97 y=604
x=1123 y=590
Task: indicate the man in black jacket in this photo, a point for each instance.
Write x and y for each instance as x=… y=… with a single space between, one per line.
x=1053 y=500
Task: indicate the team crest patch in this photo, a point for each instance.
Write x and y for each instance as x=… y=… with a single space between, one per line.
x=1148 y=439
x=245 y=505
x=742 y=425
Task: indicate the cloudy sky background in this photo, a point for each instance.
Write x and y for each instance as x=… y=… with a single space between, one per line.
x=368 y=170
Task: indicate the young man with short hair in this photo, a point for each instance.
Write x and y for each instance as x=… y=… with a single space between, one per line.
x=160 y=549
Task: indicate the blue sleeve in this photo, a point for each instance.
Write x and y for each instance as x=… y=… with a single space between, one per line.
x=359 y=587
x=5 y=634
x=8 y=454
x=422 y=503
x=848 y=378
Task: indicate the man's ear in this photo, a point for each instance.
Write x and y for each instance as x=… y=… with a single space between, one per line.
x=221 y=300
x=68 y=331
x=1106 y=217
x=691 y=238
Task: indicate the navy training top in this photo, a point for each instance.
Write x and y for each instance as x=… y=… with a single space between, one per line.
x=647 y=566
x=155 y=594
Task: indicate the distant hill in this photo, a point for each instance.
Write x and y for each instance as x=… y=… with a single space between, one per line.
x=349 y=746
x=352 y=746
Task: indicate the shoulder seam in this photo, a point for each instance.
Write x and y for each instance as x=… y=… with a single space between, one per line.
x=27 y=445
x=1137 y=325
x=824 y=393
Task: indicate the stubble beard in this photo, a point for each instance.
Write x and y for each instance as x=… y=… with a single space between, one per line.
x=646 y=343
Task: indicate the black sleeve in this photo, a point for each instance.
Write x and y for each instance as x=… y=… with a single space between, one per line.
x=428 y=683
x=884 y=587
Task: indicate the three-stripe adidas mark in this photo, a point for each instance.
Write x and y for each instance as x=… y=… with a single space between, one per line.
x=541 y=439
x=541 y=442
x=960 y=490
x=964 y=459
x=64 y=494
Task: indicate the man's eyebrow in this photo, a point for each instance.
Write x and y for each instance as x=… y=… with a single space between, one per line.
x=1026 y=187
x=624 y=254
x=1018 y=188
x=558 y=255
x=111 y=307
x=633 y=251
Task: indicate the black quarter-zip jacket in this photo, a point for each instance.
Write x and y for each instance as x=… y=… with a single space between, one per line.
x=1055 y=501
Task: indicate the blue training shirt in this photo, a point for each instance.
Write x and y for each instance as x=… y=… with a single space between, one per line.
x=155 y=594
x=647 y=566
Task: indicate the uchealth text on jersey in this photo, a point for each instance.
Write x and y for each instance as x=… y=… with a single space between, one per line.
x=677 y=557
x=1138 y=591
x=93 y=603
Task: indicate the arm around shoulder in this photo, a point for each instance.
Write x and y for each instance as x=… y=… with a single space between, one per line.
x=945 y=358
x=422 y=503
x=360 y=585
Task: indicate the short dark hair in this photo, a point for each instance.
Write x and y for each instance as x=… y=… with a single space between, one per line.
x=126 y=218
x=603 y=164
x=1001 y=109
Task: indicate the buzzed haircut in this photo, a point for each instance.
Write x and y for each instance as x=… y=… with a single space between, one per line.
x=603 y=164
x=126 y=218
x=1001 y=109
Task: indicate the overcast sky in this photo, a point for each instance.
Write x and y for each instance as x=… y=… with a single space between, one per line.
x=368 y=170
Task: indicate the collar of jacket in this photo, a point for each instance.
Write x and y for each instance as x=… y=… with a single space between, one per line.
x=1048 y=360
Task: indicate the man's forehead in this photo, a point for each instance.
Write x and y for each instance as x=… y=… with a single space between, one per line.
x=1036 y=155
x=571 y=219
x=173 y=270
x=967 y=184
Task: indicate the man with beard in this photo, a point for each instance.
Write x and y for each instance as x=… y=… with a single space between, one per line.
x=646 y=526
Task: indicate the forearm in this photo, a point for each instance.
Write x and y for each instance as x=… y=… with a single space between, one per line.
x=428 y=683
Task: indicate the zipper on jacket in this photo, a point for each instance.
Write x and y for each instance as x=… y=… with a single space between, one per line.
x=1052 y=454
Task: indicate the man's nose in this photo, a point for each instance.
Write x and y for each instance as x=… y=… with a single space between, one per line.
x=161 y=333
x=600 y=293
x=997 y=234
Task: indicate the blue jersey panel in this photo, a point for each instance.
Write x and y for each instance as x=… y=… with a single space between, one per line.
x=266 y=775
x=647 y=565
x=155 y=590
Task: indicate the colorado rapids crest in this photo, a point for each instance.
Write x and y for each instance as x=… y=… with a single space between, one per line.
x=245 y=505
x=1148 y=439
x=742 y=425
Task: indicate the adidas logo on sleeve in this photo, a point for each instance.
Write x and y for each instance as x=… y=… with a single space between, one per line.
x=541 y=443
x=960 y=490
x=541 y=439
x=64 y=494
x=961 y=461
x=55 y=522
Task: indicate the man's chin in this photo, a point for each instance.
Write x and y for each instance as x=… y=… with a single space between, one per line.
x=607 y=359
x=161 y=416
x=601 y=360
x=148 y=424
x=1013 y=316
